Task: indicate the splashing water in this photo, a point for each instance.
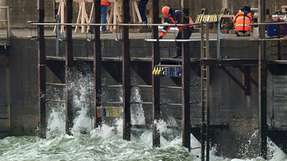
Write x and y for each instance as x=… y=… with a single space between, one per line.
x=56 y=123
x=137 y=112
x=81 y=87
x=56 y=116
x=245 y=149
x=106 y=144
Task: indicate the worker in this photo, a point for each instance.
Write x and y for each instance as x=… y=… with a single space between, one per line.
x=142 y=9
x=104 y=12
x=172 y=16
x=243 y=20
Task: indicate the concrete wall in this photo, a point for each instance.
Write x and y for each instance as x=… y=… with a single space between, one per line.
x=4 y=95
x=23 y=11
x=23 y=66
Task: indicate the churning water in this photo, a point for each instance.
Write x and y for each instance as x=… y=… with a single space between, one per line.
x=104 y=143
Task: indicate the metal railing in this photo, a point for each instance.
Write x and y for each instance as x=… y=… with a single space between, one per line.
x=5 y=23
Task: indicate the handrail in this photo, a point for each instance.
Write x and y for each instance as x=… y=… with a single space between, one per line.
x=108 y=24
x=138 y=24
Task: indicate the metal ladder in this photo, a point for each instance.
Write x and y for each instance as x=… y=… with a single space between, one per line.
x=205 y=80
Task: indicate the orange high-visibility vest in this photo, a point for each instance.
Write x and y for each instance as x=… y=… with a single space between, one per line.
x=105 y=3
x=242 y=23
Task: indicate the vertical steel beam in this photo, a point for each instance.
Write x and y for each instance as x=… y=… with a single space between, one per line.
x=219 y=37
x=126 y=73
x=155 y=80
x=68 y=65
x=58 y=35
x=262 y=76
x=186 y=122
x=41 y=68
x=97 y=52
x=279 y=55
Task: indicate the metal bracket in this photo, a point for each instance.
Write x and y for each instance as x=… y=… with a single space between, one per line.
x=247 y=72
x=246 y=86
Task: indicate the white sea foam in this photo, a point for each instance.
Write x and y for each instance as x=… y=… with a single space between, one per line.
x=56 y=122
x=137 y=112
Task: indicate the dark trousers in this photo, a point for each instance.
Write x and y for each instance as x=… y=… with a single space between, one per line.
x=185 y=34
x=142 y=8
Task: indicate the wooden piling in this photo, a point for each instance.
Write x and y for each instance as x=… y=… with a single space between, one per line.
x=97 y=52
x=68 y=65
x=155 y=79
x=41 y=68
x=262 y=76
x=126 y=73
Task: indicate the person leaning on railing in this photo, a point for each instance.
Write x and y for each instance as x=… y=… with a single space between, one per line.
x=172 y=16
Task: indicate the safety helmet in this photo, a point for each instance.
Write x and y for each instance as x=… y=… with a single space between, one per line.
x=165 y=11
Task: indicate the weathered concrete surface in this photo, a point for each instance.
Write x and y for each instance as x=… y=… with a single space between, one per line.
x=4 y=95
x=23 y=66
x=23 y=11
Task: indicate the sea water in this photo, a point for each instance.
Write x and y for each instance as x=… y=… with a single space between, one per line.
x=105 y=143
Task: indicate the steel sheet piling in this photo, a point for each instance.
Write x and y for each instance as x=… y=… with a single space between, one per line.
x=155 y=79
x=97 y=53
x=126 y=73
x=68 y=65
x=41 y=68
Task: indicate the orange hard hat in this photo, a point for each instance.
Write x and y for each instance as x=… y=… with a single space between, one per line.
x=165 y=11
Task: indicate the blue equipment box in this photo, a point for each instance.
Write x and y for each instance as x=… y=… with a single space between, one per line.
x=167 y=71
